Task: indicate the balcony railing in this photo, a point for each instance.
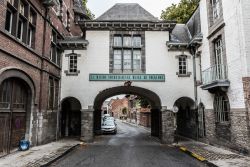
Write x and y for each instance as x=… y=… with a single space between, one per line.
x=215 y=73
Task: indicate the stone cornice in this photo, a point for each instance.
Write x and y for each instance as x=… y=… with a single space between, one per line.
x=127 y=25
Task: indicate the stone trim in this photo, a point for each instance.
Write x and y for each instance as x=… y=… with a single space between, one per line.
x=71 y=73
x=127 y=25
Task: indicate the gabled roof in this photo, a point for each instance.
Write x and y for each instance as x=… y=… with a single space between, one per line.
x=127 y=12
x=180 y=34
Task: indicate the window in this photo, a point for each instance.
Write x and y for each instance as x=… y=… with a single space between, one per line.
x=137 y=59
x=117 y=41
x=53 y=93
x=137 y=41
x=215 y=9
x=20 y=29
x=55 y=54
x=22 y=7
x=127 y=52
x=5 y=92
x=126 y=41
x=221 y=108
x=22 y=25
x=218 y=50
x=73 y=63
x=8 y=21
x=11 y=2
x=182 y=65
x=117 y=59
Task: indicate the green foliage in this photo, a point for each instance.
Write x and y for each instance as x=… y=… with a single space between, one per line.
x=180 y=12
x=124 y=111
x=91 y=15
x=143 y=102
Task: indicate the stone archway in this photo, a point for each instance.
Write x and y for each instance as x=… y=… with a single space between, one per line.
x=17 y=94
x=152 y=97
x=186 y=117
x=70 y=117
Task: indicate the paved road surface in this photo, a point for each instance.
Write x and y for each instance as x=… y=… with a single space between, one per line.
x=130 y=147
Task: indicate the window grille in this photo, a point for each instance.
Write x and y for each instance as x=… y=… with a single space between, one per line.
x=73 y=63
x=221 y=108
x=182 y=65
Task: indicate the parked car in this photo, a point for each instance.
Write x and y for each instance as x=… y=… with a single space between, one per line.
x=108 y=118
x=109 y=126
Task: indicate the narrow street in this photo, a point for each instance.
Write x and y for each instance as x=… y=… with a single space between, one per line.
x=130 y=147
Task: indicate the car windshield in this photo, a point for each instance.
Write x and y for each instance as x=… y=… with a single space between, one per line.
x=109 y=123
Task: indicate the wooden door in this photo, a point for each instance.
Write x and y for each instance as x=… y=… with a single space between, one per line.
x=13 y=107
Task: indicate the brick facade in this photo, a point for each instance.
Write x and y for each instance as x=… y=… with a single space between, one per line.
x=36 y=62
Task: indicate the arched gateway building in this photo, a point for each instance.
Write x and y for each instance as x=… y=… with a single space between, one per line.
x=200 y=67
x=127 y=43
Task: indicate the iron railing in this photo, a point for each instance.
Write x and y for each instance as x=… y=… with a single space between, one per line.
x=217 y=72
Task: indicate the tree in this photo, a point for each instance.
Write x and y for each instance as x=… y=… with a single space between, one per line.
x=143 y=102
x=180 y=12
x=89 y=13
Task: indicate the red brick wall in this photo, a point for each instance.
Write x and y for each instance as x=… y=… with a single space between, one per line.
x=17 y=54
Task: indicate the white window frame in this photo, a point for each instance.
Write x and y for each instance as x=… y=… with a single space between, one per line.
x=72 y=58
x=181 y=60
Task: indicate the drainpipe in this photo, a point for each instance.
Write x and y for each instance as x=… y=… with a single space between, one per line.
x=193 y=50
x=42 y=68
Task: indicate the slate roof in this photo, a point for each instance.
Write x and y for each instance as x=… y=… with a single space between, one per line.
x=180 y=34
x=127 y=12
x=184 y=33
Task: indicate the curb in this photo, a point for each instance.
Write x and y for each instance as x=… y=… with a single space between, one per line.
x=60 y=156
x=196 y=156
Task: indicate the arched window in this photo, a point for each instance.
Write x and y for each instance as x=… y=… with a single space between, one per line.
x=221 y=108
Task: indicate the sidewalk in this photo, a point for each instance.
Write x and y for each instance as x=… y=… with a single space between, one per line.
x=213 y=156
x=39 y=155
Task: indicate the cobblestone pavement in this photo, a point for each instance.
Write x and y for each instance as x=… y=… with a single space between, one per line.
x=39 y=155
x=215 y=155
x=131 y=147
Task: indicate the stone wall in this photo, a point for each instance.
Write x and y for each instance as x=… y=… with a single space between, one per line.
x=168 y=128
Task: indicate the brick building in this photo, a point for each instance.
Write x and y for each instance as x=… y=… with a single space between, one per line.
x=30 y=67
x=117 y=106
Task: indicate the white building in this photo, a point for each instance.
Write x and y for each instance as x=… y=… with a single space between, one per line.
x=198 y=66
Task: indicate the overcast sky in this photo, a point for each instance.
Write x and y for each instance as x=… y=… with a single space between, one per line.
x=155 y=7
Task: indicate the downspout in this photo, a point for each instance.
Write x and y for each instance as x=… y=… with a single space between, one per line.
x=42 y=68
x=193 y=50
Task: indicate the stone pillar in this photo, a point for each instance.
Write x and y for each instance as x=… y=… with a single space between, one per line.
x=87 y=125
x=167 y=135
